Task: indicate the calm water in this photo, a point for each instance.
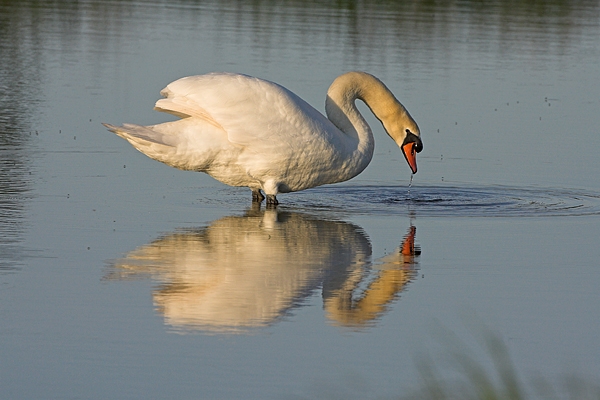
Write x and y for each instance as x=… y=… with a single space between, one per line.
x=123 y=278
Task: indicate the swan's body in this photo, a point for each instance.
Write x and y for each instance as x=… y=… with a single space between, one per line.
x=245 y=131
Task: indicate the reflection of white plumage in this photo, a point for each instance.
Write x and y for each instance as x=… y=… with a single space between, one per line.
x=395 y=271
x=249 y=271
x=243 y=272
x=244 y=131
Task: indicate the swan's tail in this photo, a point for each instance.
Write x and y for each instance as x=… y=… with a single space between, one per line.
x=156 y=145
x=141 y=136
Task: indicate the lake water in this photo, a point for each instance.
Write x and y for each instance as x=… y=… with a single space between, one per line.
x=123 y=278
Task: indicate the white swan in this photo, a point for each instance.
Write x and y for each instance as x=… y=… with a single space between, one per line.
x=245 y=131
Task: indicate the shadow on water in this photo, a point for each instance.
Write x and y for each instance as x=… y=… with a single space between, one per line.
x=246 y=272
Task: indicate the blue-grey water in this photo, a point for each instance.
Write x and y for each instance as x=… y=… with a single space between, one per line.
x=123 y=278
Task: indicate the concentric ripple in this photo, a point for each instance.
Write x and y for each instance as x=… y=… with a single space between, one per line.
x=491 y=201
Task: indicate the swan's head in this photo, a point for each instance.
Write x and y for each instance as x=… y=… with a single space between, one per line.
x=410 y=146
x=406 y=134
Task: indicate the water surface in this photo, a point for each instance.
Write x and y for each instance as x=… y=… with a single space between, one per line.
x=123 y=278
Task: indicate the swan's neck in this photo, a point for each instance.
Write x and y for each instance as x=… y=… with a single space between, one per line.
x=342 y=112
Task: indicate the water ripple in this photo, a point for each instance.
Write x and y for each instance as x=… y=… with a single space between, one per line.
x=450 y=201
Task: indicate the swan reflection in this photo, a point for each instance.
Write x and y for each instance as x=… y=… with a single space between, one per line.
x=394 y=272
x=244 y=272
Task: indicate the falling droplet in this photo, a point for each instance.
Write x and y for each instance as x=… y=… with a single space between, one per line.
x=410 y=184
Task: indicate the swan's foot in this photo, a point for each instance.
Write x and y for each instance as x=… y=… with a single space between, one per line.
x=257 y=196
x=271 y=200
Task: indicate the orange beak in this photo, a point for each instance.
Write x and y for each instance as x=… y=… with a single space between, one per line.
x=411 y=155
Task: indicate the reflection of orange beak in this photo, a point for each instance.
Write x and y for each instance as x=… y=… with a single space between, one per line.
x=408 y=245
x=411 y=155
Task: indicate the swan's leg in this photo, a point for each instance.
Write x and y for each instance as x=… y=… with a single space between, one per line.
x=257 y=196
x=272 y=200
x=271 y=188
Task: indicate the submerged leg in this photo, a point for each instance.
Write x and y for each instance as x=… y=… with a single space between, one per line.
x=257 y=196
x=272 y=200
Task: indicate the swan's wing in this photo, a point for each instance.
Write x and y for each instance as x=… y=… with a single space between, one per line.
x=253 y=112
x=183 y=107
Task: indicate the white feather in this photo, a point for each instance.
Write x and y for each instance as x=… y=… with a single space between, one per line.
x=245 y=131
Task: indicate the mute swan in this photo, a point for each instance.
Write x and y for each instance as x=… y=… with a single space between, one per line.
x=245 y=131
